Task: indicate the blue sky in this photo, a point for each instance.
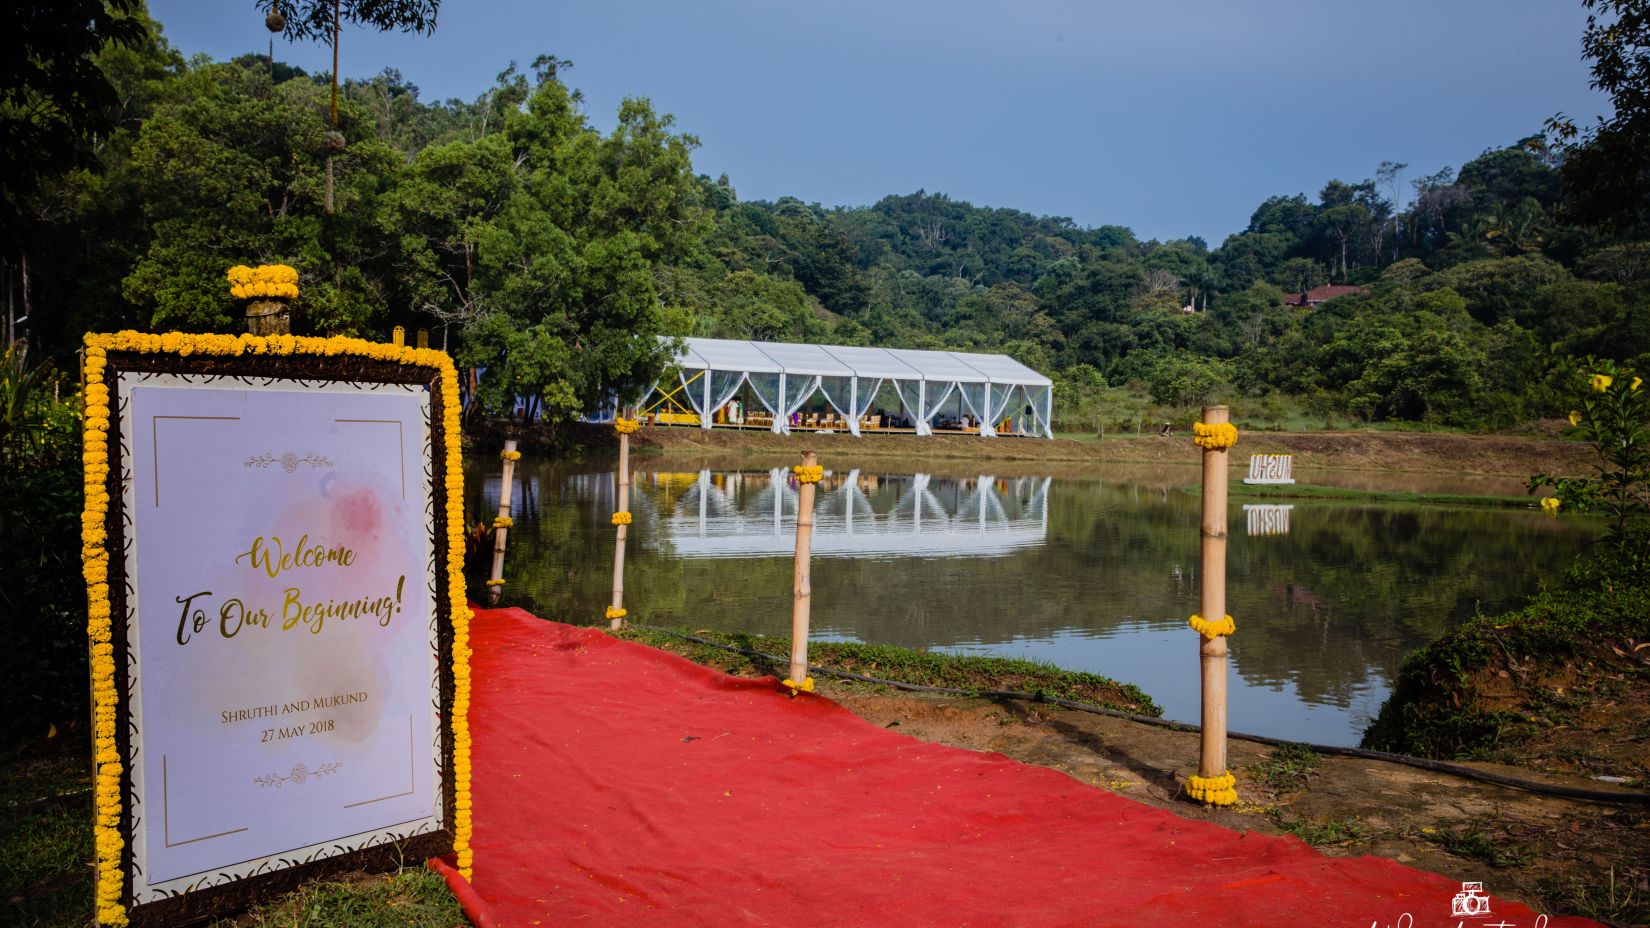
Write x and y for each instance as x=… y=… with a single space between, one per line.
x=1173 y=118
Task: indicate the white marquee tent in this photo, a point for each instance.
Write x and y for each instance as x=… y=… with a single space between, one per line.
x=785 y=377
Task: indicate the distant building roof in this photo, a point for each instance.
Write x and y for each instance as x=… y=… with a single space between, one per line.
x=1319 y=294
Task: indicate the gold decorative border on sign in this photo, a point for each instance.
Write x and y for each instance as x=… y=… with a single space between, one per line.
x=154 y=441
x=412 y=773
x=273 y=360
x=166 y=814
x=400 y=444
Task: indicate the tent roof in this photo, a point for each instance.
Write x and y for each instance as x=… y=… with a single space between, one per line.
x=804 y=359
x=1002 y=369
x=850 y=361
x=725 y=354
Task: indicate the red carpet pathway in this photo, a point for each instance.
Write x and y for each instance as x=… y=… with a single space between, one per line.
x=619 y=785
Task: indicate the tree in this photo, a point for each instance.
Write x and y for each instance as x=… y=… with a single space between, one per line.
x=1606 y=167
x=54 y=98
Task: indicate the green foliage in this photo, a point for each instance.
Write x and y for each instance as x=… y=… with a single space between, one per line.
x=40 y=493
x=1437 y=707
x=1614 y=418
x=1288 y=767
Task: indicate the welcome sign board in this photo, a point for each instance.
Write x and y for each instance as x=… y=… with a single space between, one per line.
x=278 y=540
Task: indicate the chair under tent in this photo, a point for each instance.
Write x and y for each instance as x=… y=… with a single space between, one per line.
x=779 y=386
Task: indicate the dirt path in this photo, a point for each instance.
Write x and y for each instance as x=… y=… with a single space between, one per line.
x=1557 y=855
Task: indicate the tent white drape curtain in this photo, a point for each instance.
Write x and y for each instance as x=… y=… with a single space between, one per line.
x=910 y=396
x=997 y=397
x=976 y=396
x=766 y=388
x=720 y=386
x=934 y=405
x=791 y=398
x=850 y=397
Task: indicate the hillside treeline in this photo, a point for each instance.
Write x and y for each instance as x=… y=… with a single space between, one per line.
x=535 y=245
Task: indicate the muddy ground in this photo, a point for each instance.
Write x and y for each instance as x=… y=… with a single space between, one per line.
x=1435 y=452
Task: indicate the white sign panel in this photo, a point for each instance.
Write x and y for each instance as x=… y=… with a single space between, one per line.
x=287 y=705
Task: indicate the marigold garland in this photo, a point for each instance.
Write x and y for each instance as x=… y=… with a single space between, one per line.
x=277 y=281
x=498 y=582
x=510 y=455
x=107 y=797
x=806 y=686
x=1214 y=437
x=808 y=473
x=503 y=522
x=1210 y=629
x=621 y=518
x=625 y=426
x=1216 y=791
x=616 y=612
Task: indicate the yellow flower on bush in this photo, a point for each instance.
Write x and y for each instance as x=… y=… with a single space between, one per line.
x=266 y=281
x=1634 y=386
x=1601 y=382
x=1550 y=504
x=1575 y=417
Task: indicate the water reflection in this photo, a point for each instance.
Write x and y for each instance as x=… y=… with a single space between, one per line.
x=1087 y=572
x=740 y=514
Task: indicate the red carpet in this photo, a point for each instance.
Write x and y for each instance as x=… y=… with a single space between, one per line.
x=619 y=785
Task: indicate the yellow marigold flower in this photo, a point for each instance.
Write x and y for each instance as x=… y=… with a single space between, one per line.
x=1601 y=382
x=621 y=518
x=1575 y=417
x=1210 y=629
x=625 y=426
x=616 y=612
x=1214 y=437
x=809 y=474
x=1550 y=504
x=503 y=522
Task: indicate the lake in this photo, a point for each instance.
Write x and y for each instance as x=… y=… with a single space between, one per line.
x=1089 y=568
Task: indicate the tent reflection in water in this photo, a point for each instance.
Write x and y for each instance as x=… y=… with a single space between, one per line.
x=780 y=386
x=753 y=514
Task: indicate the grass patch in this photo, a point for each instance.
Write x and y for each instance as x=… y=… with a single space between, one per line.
x=1610 y=897
x=46 y=830
x=1243 y=491
x=1287 y=767
x=411 y=898
x=46 y=871
x=1474 y=844
x=1334 y=832
x=925 y=668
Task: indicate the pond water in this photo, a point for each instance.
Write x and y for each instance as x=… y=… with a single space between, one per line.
x=1094 y=569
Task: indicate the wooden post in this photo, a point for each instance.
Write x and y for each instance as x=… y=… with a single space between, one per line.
x=801 y=584
x=501 y=530
x=1212 y=602
x=616 y=609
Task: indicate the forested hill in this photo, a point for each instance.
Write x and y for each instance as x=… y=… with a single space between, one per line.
x=1471 y=292
x=535 y=245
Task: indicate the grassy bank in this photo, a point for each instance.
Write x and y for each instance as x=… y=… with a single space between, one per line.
x=1560 y=684
x=925 y=668
x=1265 y=492
x=46 y=871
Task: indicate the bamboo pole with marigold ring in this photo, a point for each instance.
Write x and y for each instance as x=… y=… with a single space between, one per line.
x=801 y=575
x=501 y=525
x=1212 y=653
x=616 y=611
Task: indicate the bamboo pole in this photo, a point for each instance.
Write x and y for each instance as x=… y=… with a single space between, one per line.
x=1212 y=602
x=616 y=610
x=501 y=530
x=801 y=582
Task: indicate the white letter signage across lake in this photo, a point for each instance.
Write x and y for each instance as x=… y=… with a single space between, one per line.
x=275 y=532
x=282 y=631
